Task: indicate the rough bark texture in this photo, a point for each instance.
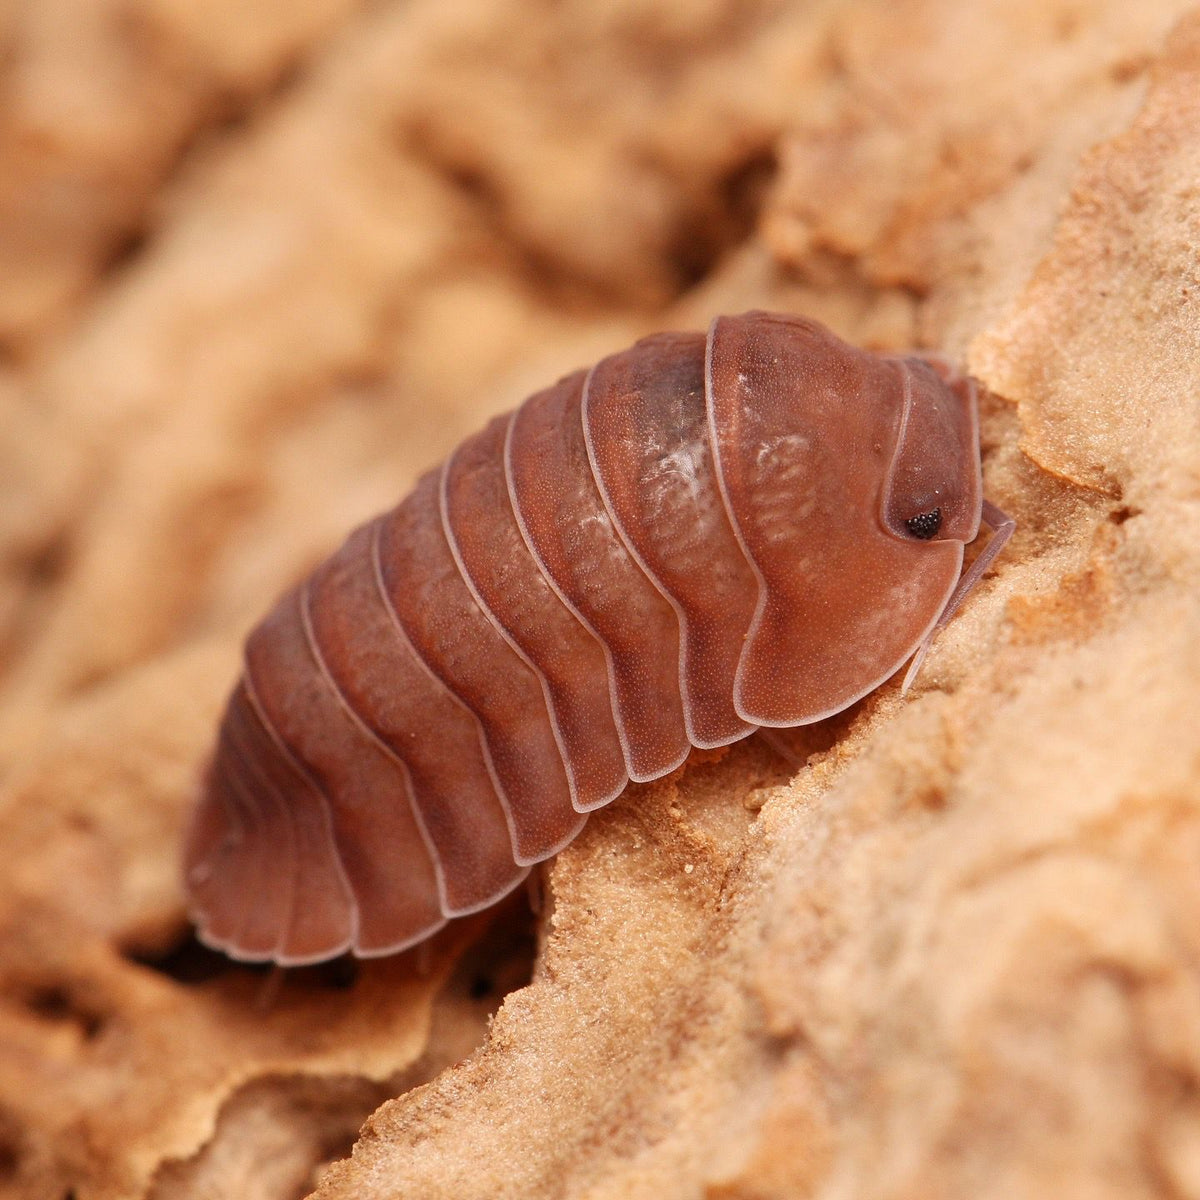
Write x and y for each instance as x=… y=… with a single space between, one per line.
x=260 y=264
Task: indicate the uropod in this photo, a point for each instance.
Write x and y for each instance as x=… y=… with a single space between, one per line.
x=698 y=537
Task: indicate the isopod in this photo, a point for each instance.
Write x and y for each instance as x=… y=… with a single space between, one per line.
x=700 y=536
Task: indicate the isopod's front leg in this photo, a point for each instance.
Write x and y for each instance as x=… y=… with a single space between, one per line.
x=1002 y=526
x=535 y=890
x=780 y=744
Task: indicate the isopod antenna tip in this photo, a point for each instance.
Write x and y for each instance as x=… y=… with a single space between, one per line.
x=1002 y=527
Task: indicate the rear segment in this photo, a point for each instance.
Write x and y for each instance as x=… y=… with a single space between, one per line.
x=269 y=884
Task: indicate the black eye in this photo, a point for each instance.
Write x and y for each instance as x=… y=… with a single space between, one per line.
x=925 y=525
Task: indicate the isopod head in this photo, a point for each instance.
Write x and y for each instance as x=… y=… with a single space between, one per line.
x=852 y=480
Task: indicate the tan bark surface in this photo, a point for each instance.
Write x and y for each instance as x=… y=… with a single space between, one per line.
x=262 y=263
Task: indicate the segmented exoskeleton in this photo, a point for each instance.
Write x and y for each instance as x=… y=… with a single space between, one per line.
x=699 y=536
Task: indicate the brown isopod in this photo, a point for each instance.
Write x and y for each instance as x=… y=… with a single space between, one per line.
x=700 y=536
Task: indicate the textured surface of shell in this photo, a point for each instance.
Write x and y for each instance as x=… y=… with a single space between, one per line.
x=699 y=536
